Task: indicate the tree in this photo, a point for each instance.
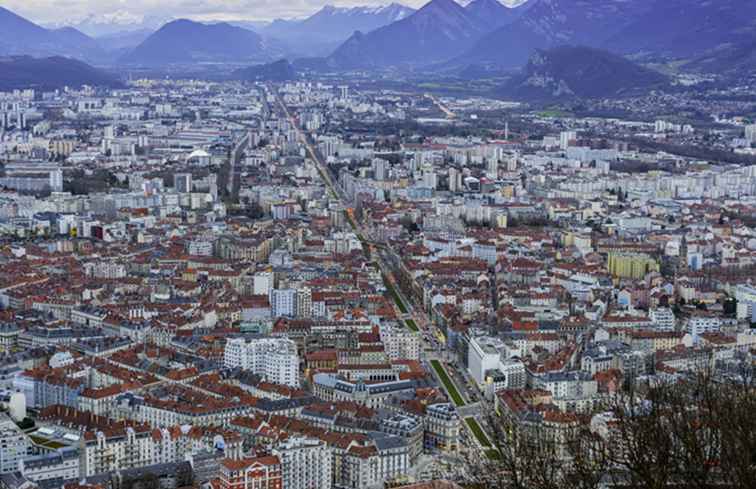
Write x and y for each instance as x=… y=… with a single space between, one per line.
x=698 y=432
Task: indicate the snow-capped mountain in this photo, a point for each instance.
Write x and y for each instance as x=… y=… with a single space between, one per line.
x=327 y=28
x=111 y=23
x=337 y=23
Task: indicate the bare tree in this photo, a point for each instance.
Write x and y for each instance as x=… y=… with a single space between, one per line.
x=698 y=432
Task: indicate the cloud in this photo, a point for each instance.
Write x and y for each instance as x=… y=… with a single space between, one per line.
x=57 y=11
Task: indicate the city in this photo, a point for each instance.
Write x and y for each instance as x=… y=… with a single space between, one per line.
x=372 y=278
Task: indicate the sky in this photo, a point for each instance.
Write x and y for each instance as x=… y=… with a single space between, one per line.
x=63 y=11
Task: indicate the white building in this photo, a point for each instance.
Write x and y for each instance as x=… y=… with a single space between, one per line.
x=662 y=318
x=306 y=463
x=701 y=322
x=750 y=133
x=13 y=445
x=399 y=343
x=263 y=283
x=746 y=297
x=484 y=355
x=61 y=464
x=283 y=302
x=275 y=359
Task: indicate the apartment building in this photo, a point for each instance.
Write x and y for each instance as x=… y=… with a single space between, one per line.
x=274 y=359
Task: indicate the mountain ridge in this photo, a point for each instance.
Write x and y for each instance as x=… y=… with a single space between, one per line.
x=186 y=41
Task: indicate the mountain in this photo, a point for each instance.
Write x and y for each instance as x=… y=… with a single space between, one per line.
x=116 y=22
x=438 y=31
x=323 y=31
x=684 y=28
x=184 y=41
x=582 y=72
x=22 y=37
x=125 y=40
x=278 y=71
x=337 y=24
x=492 y=13
x=77 y=44
x=549 y=23
x=19 y=72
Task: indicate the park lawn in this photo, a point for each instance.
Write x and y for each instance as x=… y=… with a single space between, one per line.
x=478 y=432
x=394 y=295
x=411 y=325
x=453 y=392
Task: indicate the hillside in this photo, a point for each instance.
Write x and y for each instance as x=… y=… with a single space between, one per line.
x=278 y=71
x=18 y=72
x=581 y=72
x=548 y=23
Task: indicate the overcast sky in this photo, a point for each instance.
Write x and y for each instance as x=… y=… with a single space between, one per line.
x=55 y=11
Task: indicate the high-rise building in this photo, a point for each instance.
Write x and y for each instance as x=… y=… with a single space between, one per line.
x=566 y=138
x=274 y=359
x=750 y=133
x=455 y=179
x=182 y=182
x=304 y=303
x=283 y=302
x=380 y=169
x=493 y=169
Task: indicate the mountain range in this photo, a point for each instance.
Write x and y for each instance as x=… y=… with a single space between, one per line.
x=323 y=31
x=442 y=35
x=439 y=30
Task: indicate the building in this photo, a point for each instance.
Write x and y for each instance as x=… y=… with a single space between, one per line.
x=662 y=318
x=566 y=138
x=750 y=133
x=400 y=343
x=442 y=428
x=305 y=463
x=251 y=473
x=33 y=177
x=274 y=359
x=374 y=395
x=702 y=322
x=630 y=265
x=61 y=464
x=746 y=297
x=182 y=183
x=283 y=302
x=14 y=445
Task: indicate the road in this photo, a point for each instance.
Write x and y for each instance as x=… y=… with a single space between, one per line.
x=431 y=349
x=449 y=113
